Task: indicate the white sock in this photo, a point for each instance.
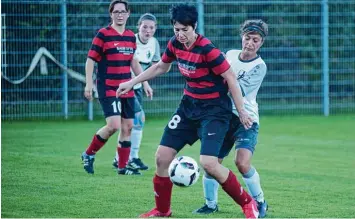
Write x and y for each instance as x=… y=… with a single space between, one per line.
x=136 y=139
x=210 y=190
x=252 y=181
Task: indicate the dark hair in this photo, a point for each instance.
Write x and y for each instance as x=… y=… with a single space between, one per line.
x=147 y=16
x=185 y=14
x=255 y=26
x=113 y=3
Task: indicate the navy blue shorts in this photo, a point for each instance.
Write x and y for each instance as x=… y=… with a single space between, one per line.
x=125 y=107
x=240 y=137
x=210 y=128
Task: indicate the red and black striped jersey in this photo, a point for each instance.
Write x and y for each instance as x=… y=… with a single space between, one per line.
x=114 y=53
x=201 y=65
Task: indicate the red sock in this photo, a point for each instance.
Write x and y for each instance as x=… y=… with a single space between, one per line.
x=123 y=153
x=233 y=188
x=95 y=145
x=162 y=190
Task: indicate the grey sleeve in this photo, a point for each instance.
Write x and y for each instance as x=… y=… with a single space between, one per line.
x=252 y=80
x=156 y=57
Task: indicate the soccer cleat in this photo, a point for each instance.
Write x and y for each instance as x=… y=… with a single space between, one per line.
x=250 y=210
x=115 y=163
x=88 y=161
x=136 y=163
x=128 y=171
x=155 y=213
x=206 y=210
x=262 y=208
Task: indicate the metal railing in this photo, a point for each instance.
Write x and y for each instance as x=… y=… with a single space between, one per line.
x=309 y=54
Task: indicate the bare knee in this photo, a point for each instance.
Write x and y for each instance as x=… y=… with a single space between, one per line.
x=164 y=156
x=209 y=164
x=243 y=165
x=243 y=159
x=127 y=126
x=112 y=127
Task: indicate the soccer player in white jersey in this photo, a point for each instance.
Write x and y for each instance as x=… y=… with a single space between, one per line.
x=147 y=53
x=250 y=70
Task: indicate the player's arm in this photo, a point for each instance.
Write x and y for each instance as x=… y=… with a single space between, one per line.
x=237 y=97
x=137 y=69
x=152 y=72
x=94 y=55
x=89 y=69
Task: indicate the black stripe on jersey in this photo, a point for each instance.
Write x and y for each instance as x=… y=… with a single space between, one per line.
x=169 y=53
x=120 y=38
x=96 y=48
x=208 y=78
x=204 y=50
x=217 y=61
x=118 y=76
x=207 y=90
x=118 y=63
x=101 y=36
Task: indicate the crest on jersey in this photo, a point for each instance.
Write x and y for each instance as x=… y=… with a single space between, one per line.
x=149 y=54
x=241 y=74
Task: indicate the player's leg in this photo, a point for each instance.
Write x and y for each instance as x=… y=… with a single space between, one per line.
x=210 y=191
x=179 y=132
x=137 y=132
x=245 y=145
x=210 y=185
x=113 y=123
x=124 y=140
x=212 y=134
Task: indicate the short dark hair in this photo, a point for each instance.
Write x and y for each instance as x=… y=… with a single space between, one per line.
x=185 y=14
x=255 y=26
x=113 y=3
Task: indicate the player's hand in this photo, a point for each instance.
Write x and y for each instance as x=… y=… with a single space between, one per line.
x=88 y=91
x=148 y=90
x=245 y=119
x=124 y=88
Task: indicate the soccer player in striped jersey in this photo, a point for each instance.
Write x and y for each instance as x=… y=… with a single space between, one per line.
x=250 y=70
x=113 y=50
x=147 y=53
x=204 y=111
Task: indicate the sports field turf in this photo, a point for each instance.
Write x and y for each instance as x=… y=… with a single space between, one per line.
x=306 y=163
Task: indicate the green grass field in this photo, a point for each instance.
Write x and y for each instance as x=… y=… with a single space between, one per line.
x=306 y=163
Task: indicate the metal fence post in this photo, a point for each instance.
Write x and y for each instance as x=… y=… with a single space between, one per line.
x=90 y=110
x=200 y=21
x=64 y=57
x=325 y=56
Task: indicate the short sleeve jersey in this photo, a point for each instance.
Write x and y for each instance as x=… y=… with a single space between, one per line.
x=114 y=53
x=250 y=75
x=201 y=65
x=147 y=53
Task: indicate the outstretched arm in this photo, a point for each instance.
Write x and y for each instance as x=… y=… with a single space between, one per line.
x=151 y=72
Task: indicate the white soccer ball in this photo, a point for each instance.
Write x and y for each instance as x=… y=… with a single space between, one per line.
x=184 y=171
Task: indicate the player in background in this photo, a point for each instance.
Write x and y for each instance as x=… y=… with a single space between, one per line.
x=204 y=111
x=147 y=53
x=113 y=50
x=250 y=70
